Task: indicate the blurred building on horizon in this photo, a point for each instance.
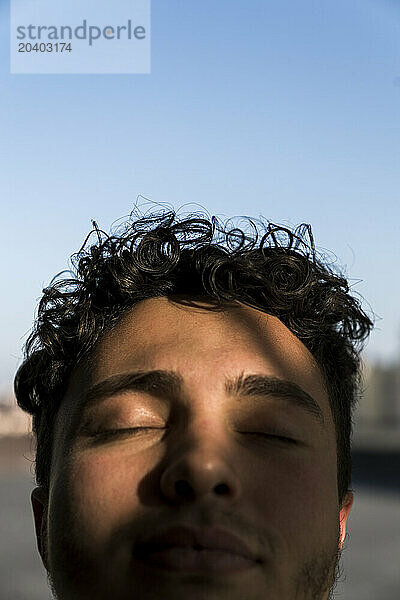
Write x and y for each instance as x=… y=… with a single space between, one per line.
x=380 y=401
x=13 y=421
x=377 y=416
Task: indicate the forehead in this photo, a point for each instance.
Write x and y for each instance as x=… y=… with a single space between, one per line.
x=205 y=342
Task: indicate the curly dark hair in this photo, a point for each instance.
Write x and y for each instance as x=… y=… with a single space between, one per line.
x=272 y=268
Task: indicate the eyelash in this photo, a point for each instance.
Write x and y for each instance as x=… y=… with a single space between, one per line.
x=113 y=432
x=271 y=435
x=106 y=433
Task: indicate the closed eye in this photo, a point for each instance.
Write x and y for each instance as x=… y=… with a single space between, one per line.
x=272 y=436
x=107 y=433
x=137 y=431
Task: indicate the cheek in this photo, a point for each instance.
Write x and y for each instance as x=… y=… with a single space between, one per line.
x=294 y=495
x=96 y=492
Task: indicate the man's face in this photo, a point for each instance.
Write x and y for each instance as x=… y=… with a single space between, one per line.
x=197 y=451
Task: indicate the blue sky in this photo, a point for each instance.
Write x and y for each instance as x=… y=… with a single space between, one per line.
x=285 y=109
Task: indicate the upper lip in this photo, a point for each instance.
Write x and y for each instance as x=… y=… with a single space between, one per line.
x=192 y=537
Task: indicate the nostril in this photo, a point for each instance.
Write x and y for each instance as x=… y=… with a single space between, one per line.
x=221 y=488
x=183 y=488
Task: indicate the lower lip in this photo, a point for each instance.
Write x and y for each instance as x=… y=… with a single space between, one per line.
x=207 y=560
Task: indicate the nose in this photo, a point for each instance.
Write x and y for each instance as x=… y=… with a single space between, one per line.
x=200 y=470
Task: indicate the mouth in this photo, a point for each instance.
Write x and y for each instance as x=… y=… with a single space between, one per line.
x=189 y=550
x=202 y=560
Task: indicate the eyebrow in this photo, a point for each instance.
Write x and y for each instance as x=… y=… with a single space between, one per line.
x=162 y=384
